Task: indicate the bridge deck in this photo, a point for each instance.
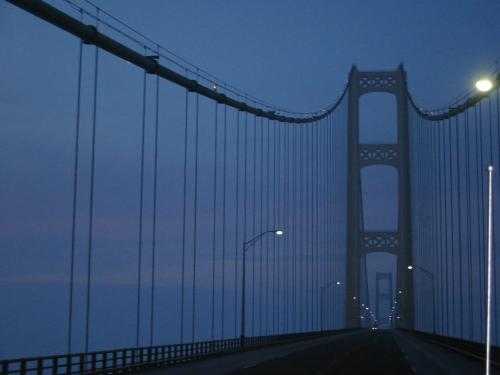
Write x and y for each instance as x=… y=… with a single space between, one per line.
x=360 y=352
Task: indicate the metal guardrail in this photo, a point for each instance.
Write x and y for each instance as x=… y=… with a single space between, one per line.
x=133 y=359
x=470 y=348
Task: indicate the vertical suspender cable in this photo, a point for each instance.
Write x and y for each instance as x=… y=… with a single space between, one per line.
x=314 y=244
x=224 y=188
x=478 y=218
x=469 y=229
x=299 y=211
x=459 y=231
x=195 y=219
x=266 y=313
x=315 y=225
x=141 y=205
x=435 y=241
x=278 y=220
x=214 y=220
x=75 y=195
x=254 y=215
x=332 y=192
x=91 y=208
x=245 y=183
x=332 y=172
x=318 y=245
x=294 y=227
x=282 y=221
x=452 y=222
x=310 y=216
x=261 y=229
x=287 y=225
x=268 y=190
x=274 y=226
x=184 y=204
x=442 y=227
x=445 y=198
x=482 y=230
x=155 y=194
x=237 y=223
x=307 y=216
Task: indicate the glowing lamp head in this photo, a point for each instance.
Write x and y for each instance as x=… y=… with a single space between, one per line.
x=410 y=267
x=279 y=232
x=484 y=85
x=338 y=282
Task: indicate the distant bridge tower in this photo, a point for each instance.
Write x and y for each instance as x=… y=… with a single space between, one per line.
x=360 y=242
x=383 y=293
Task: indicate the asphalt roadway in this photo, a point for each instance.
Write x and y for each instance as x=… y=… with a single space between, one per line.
x=359 y=352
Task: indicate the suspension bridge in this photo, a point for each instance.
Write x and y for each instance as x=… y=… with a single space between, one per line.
x=208 y=231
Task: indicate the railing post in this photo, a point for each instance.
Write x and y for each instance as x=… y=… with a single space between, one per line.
x=82 y=364
x=22 y=369
x=55 y=366
x=39 y=366
x=69 y=364
x=104 y=360
x=94 y=362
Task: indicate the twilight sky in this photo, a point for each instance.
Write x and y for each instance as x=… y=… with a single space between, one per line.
x=294 y=54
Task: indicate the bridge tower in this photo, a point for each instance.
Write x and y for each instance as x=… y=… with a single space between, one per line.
x=360 y=242
x=381 y=293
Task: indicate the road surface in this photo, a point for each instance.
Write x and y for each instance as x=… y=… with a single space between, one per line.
x=358 y=352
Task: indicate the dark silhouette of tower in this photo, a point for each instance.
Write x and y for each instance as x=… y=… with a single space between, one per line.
x=361 y=242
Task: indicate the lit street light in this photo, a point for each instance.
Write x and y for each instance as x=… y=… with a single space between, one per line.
x=246 y=246
x=323 y=289
x=431 y=275
x=484 y=85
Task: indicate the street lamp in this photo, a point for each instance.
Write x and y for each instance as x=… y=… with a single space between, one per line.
x=246 y=246
x=484 y=85
x=323 y=288
x=431 y=275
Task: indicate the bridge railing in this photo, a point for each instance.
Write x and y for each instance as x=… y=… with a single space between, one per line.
x=119 y=360
x=469 y=348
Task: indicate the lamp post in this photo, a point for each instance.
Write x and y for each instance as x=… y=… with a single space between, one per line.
x=323 y=288
x=490 y=271
x=485 y=85
x=246 y=246
x=431 y=275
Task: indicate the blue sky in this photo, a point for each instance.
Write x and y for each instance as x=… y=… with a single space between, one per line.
x=295 y=54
